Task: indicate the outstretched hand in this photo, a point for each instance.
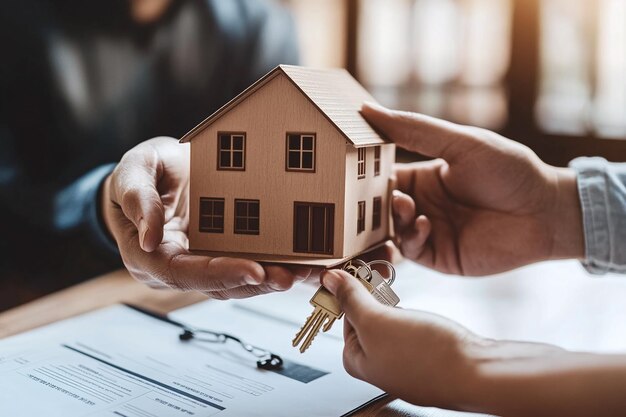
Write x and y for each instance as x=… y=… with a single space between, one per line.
x=416 y=356
x=485 y=205
x=429 y=360
x=144 y=205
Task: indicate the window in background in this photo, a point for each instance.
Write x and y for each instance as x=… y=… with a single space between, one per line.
x=610 y=100
x=565 y=51
x=446 y=58
x=452 y=59
x=321 y=26
x=583 y=62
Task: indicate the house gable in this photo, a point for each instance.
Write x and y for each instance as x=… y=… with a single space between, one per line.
x=333 y=92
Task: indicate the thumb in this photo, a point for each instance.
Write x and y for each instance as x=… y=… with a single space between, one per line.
x=133 y=187
x=354 y=298
x=419 y=133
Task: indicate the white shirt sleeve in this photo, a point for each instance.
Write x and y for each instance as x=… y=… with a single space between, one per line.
x=602 y=189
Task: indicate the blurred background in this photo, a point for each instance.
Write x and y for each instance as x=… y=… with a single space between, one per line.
x=548 y=73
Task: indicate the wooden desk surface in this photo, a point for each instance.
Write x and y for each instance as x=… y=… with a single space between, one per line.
x=119 y=287
x=553 y=302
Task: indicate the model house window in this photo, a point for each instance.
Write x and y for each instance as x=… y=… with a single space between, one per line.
x=231 y=151
x=377 y=161
x=361 y=162
x=247 y=217
x=360 y=222
x=211 y=215
x=376 y=209
x=301 y=152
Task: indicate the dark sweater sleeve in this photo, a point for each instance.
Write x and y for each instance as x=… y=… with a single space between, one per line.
x=52 y=205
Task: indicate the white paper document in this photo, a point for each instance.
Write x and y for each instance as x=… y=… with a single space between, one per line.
x=121 y=362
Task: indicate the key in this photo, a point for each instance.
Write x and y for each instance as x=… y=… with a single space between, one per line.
x=382 y=287
x=382 y=290
x=326 y=310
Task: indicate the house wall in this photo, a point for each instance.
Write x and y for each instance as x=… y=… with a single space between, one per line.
x=365 y=189
x=266 y=115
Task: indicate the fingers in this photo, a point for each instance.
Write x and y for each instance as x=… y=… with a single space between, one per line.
x=419 y=133
x=403 y=208
x=133 y=188
x=353 y=354
x=408 y=174
x=413 y=240
x=279 y=278
x=356 y=302
x=411 y=233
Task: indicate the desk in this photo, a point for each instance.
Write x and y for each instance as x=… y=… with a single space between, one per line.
x=119 y=287
x=553 y=302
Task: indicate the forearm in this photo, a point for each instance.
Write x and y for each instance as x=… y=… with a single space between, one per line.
x=521 y=379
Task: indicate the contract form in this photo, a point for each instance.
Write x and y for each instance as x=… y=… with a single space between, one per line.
x=121 y=362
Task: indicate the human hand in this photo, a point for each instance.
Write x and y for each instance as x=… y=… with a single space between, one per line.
x=419 y=357
x=487 y=205
x=144 y=205
x=429 y=360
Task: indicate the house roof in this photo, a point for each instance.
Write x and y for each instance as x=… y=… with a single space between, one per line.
x=334 y=92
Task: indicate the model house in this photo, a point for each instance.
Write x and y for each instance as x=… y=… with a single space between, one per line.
x=289 y=171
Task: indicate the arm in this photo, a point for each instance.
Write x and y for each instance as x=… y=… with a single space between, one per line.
x=58 y=206
x=485 y=205
x=145 y=199
x=431 y=361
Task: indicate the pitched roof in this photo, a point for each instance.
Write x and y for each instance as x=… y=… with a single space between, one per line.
x=334 y=92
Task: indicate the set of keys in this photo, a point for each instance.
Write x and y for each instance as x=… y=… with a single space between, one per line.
x=326 y=308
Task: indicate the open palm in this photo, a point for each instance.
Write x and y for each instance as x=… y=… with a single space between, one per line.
x=145 y=208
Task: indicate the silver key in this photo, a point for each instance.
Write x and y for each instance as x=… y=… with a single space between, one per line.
x=382 y=291
x=382 y=287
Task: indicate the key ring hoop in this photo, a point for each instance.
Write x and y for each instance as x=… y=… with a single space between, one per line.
x=389 y=266
x=353 y=267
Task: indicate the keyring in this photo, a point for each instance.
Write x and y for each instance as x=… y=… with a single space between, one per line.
x=350 y=268
x=389 y=266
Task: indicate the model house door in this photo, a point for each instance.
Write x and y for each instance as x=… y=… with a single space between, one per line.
x=313 y=227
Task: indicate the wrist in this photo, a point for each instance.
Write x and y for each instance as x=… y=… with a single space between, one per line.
x=501 y=372
x=568 y=240
x=106 y=207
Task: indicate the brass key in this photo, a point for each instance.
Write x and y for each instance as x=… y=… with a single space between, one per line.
x=326 y=310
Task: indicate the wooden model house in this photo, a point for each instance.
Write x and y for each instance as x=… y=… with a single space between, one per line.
x=289 y=171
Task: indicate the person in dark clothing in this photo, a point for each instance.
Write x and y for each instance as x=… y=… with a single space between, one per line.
x=84 y=82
